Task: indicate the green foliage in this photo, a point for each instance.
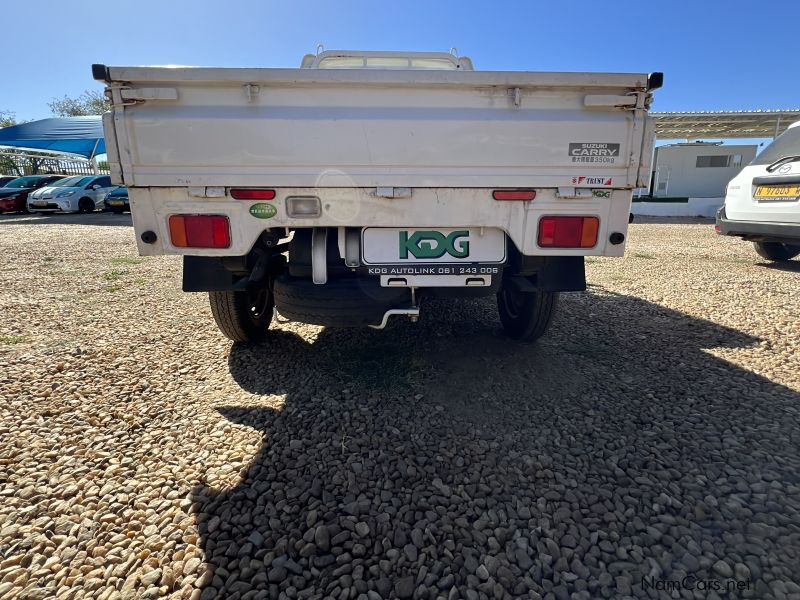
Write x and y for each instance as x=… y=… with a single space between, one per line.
x=114 y=275
x=126 y=260
x=7 y=118
x=90 y=102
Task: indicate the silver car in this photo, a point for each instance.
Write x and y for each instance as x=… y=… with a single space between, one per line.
x=81 y=193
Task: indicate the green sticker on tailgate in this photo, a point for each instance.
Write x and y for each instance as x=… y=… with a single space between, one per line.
x=263 y=210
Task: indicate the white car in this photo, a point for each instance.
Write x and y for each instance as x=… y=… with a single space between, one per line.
x=762 y=203
x=81 y=193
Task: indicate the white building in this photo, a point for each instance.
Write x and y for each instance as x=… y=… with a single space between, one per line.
x=697 y=169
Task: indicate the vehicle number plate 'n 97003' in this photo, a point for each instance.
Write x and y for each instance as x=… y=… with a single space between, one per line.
x=777 y=192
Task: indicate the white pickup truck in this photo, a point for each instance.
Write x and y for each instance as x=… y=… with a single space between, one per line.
x=354 y=187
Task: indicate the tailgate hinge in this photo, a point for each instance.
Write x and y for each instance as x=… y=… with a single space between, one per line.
x=251 y=91
x=632 y=101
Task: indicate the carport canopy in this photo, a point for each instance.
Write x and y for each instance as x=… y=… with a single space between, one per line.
x=82 y=136
x=723 y=124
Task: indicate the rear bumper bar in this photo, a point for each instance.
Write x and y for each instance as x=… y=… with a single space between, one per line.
x=757 y=231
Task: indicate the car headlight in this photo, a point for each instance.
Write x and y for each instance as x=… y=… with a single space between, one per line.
x=65 y=194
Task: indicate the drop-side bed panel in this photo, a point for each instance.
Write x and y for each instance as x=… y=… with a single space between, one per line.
x=312 y=128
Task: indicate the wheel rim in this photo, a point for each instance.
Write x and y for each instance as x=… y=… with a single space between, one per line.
x=513 y=302
x=258 y=303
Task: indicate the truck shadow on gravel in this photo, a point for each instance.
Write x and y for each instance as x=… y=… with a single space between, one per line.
x=442 y=459
x=791 y=266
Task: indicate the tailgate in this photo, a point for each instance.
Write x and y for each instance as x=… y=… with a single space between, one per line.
x=368 y=128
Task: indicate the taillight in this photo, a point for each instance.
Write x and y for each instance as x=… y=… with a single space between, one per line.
x=199 y=231
x=514 y=194
x=568 y=232
x=252 y=194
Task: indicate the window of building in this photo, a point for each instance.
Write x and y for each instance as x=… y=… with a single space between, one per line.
x=722 y=160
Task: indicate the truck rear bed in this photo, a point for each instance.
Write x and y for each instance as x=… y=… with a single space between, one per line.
x=369 y=128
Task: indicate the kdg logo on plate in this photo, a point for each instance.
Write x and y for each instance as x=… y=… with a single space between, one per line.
x=434 y=244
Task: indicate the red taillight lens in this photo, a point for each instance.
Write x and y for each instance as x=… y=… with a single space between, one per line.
x=568 y=232
x=514 y=194
x=199 y=231
x=252 y=194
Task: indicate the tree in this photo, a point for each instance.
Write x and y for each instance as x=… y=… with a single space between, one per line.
x=7 y=118
x=90 y=102
x=7 y=164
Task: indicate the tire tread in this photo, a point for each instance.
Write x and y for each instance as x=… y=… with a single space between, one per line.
x=776 y=251
x=231 y=313
x=535 y=320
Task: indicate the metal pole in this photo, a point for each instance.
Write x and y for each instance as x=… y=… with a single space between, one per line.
x=95 y=170
x=777 y=127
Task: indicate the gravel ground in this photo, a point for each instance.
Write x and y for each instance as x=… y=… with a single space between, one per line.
x=652 y=435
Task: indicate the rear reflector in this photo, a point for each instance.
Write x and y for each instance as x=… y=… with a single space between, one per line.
x=252 y=194
x=568 y=232
x=199 y=231
x=514 y=194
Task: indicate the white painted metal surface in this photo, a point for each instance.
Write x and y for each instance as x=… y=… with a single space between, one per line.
x=370 y=128
x=358 y=207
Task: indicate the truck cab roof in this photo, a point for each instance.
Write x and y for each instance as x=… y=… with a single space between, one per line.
x=347 y=59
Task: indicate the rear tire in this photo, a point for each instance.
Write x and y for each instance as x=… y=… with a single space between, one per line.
x=526 y=316
x=86 y=205
x=243 y=316
x=776 y=251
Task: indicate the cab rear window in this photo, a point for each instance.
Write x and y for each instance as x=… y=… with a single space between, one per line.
x=786 y=144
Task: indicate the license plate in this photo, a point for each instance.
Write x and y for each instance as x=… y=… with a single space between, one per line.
x=777 y=192
x=440 y=246
x=114 y=202
x=39 y=203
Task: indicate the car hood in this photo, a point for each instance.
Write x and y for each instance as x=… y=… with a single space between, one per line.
x=41 y=190
x=5 y=192
x=58 y=190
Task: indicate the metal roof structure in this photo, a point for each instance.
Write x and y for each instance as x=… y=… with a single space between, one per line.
x=82 y=136
x=723 y=124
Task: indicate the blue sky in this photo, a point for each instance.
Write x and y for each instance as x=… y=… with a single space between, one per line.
x=715 y=55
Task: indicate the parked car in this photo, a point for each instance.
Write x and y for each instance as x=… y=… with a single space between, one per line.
x=49 y=190
x=14 y=194
x=4 y=179
x=117 y=200
x=81 y=193
x=762 y=203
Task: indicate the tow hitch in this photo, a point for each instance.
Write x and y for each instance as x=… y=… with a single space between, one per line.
x=412 y=312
